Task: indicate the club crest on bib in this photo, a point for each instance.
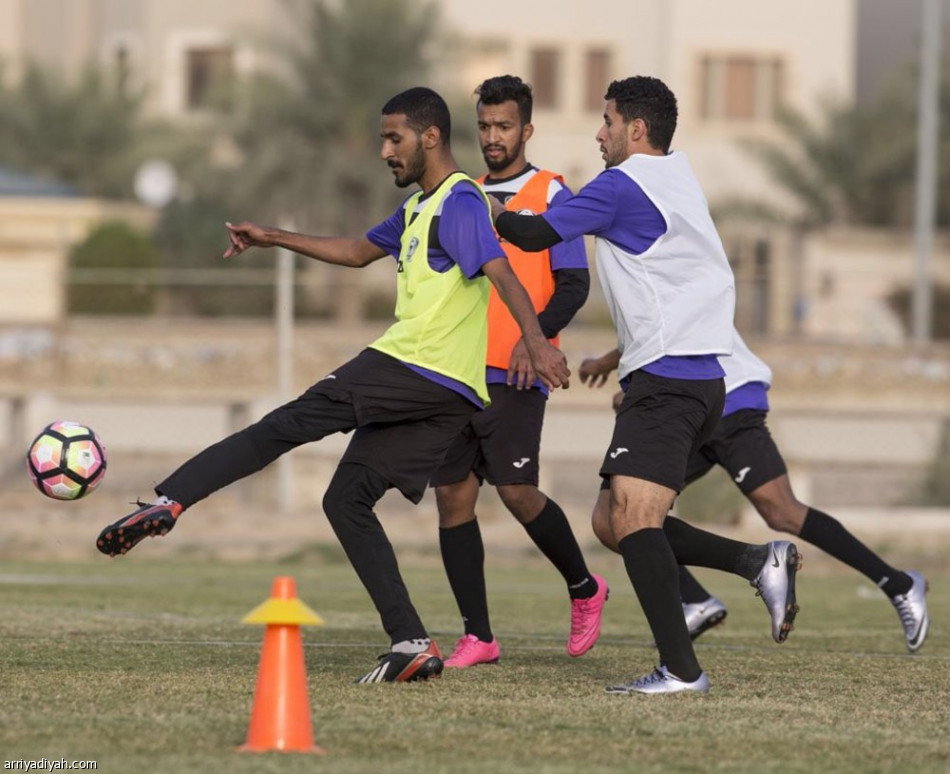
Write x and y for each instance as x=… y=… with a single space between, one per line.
x=413 y=246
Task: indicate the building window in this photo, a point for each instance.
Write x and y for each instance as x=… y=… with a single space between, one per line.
x=210 y=77
x=597 y=73
x=751 y=261
x=545 y=77
x=740 y=88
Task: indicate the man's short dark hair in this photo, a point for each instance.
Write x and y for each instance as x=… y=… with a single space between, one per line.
x=422 y=108
x=651 y=100
x=503 y=88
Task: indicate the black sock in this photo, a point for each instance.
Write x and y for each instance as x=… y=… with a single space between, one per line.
x=691 y=590
x=463 y=555
x=698 y=548
x=830 y=536
x=552 y=533
x=652 y=569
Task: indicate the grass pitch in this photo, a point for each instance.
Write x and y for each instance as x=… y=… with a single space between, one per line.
x=143 y=665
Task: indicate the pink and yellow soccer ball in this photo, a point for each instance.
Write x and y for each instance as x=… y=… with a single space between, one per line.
x=66 y=461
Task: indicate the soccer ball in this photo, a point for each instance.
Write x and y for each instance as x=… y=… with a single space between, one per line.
x=66 y=461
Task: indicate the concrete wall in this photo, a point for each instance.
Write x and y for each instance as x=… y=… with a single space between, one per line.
x=36 y=235
x=858 y=426
x=848 y=273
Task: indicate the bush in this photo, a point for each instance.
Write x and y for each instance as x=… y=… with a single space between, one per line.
x=115 y=249
x=935 y=490
x=191 y=236
x=901 y=301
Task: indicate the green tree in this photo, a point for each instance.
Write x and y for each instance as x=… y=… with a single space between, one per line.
x=901 y=302
x=850 y=164
x=191 y=238
x=842 y=166
x=112 y=245
x=80 y=131
x=935 y=488
x=306 y=136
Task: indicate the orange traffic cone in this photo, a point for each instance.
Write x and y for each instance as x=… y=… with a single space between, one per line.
x=280 y=717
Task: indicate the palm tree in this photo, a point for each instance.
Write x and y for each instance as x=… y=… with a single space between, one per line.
x=80 y=132
x=844 y=166
x=308 y=136
x=851 y=164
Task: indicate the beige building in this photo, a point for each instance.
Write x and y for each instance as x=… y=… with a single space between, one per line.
x=36 y=234
x=731 y=63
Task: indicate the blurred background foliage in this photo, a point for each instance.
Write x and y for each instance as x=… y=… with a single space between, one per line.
x=113 y=245
x=308 y=135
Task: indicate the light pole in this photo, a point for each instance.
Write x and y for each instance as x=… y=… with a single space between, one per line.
x=284 y=323
x=926 y=183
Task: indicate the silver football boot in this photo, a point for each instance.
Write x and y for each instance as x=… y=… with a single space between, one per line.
x=661 y=681
x=912 y=609
x=775 y=583
x=703 y=616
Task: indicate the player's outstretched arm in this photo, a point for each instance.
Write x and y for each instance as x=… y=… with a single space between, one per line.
x=594 y=370
x=549 y=362
x=341 y=251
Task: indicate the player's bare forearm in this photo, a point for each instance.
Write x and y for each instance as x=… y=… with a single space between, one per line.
x=340 y=251
x=548 y=361
x=594 y=370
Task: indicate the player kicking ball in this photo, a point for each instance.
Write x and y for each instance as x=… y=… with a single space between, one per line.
x=407 y=396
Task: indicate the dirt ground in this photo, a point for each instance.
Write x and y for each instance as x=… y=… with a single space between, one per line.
x=242 y=523
x=176 y=360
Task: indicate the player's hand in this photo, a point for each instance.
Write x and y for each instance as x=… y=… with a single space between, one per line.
x=593 y=372
x=550 y=365
x=497 y=208
x=520 y=372
x=245 y=235
x=617 y=400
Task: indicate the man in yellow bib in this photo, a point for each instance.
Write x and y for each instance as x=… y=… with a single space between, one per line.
x=407 y=396
x=501 y=444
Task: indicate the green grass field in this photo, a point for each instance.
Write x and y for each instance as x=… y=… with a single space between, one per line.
x=143 y=666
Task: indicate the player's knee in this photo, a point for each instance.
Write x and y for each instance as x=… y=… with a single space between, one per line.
x=334 y=502
x=603 y=531
x=353 y=488
x=780 y=517
x=451 y=511
x=523 y=501
x=456 y=503
x=447 y=497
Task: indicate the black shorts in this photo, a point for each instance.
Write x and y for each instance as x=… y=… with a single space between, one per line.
x=743 y=446
x=500 y=444
x=659 y=424
x=405 y=422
